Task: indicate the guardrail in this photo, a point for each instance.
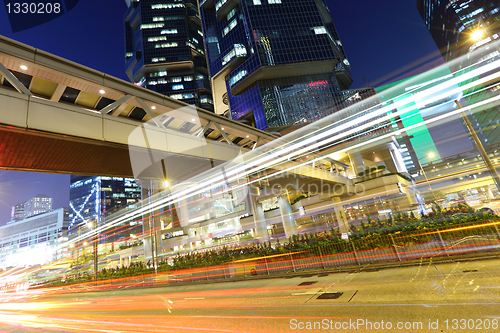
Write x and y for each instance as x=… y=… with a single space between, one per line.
x=422 y=243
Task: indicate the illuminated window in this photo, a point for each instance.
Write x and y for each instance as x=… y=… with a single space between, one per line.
x=272 y=2
x=237 y=77
x=231 y=14
x=155 y=39
x=158 y=18
x=155 y=74
x=177 y=87
x=177 y=79
x=171 y=44
x=239 y=50
x=169 y=32
x=200 y=33
x=158 y=59
x=229 y=27
x=219 y=4
x=176 y=96
x=152 y=25
x=188 y=78
x=256 y=2
x=319 y=30
x=167 y=5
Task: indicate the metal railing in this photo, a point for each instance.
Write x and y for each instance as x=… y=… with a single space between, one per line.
x=403 y=246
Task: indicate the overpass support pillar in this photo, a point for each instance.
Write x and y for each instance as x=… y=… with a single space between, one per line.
x=340 y=215
x=489 y=194
x=287 y=216
x=183 y=213
x=260 y=221
x=356 y=161
x=397 y=158
x=258 y=214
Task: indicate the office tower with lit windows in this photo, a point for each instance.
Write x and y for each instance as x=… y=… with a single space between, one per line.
x=467 y=34
x=164 y=50
x=95 y=198
x=40 y=203
x=35 y=240
x=273 y=62
x=460 y=26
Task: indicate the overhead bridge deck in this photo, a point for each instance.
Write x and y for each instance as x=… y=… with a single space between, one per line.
x=61 y=117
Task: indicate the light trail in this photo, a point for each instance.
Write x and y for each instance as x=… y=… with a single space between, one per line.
x=282 y=153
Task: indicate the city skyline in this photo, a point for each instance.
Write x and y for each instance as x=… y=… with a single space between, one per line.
x=393 y=54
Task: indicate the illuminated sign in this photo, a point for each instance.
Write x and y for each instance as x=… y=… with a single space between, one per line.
x=318 y=83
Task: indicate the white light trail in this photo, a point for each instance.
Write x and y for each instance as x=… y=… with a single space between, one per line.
x=299 y=146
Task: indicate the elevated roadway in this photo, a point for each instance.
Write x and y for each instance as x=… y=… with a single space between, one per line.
x=61 y=117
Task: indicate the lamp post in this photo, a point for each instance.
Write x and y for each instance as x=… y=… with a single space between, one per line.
x=429 y=155
x=95 y=249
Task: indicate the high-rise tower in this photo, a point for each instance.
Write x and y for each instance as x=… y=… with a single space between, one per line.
x=467 y=33
x=164 y=50
x=274 y=62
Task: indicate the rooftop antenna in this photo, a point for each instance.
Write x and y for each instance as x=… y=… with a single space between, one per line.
x=366 y=82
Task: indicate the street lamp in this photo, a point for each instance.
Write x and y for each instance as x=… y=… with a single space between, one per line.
x=429 y=155
x=95 y=250
x=476 y=35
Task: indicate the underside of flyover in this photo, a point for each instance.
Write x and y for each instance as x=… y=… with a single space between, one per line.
x=35 y=151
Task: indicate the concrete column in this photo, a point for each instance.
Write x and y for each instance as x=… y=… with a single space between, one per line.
x=287 y=216
x=489 y=194
x=260 y=221
x=397 y=158
x=356 y=161
x=183 y=213
x=340 y=215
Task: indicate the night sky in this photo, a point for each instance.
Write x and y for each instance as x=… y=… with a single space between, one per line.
x=384 y=41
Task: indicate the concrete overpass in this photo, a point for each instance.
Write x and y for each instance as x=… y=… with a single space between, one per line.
x=58 y=116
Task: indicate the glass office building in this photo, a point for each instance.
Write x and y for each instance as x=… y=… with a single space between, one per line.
x=452 y=24
x=35 y=240
x=273 y=62
x=467 y=34
x=165 y=52
x=95 y=198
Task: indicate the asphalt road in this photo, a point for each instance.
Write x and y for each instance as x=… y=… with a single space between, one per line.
x=451 y=297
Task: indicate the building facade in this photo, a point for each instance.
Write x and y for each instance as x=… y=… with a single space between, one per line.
x=40 y=203
x=273 y=63
x=454 y=24
x=94 y=198
x=467 y=34
x=165 y=52
x=34 y=240
x=17 y=213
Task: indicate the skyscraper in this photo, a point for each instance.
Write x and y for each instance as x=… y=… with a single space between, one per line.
x=94 y=198
x=274 y=62
x=40 y=203
x=467 y=34
x=164 y=50
x=460 y=26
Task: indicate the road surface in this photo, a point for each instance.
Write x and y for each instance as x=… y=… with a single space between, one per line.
x=446 y=297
